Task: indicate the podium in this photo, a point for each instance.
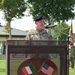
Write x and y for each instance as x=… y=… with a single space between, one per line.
x=22 y=53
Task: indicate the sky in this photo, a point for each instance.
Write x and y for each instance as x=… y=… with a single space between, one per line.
x=27 y=23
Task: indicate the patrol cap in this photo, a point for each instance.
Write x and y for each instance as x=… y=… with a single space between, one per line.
x=38 y=18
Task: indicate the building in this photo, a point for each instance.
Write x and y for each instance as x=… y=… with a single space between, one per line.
x=16 y=35
x=74 y=38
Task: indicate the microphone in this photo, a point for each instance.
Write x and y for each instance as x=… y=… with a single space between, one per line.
x=50 y=26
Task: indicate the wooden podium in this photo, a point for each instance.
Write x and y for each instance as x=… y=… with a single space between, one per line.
x=19 y=54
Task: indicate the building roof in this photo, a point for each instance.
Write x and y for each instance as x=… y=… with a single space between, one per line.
x=74 y=36
x=14 y=32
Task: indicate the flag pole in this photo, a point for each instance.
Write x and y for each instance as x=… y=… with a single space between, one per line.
x=41 y=66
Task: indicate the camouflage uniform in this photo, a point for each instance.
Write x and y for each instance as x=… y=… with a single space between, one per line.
x=38 y=35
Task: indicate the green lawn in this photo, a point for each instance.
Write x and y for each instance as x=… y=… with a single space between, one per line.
x=72 y=71
x=3 y=68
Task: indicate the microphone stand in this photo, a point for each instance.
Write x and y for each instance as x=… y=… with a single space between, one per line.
x=52 y=29
x=67 y=40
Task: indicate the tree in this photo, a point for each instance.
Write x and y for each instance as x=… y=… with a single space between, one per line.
x=1 y=3
x=61 y=31
x=52 y=10
x=6 y=28
x=13 y=9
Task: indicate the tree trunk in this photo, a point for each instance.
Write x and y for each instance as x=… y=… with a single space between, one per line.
x=10 y=34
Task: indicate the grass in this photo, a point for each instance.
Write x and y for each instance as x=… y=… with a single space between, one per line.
x=72 y=71
x=3 y=68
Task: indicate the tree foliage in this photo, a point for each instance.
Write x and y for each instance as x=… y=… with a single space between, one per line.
x=52 y=9
x=6 y=28
x=13 y=9
x=1 y=3
x=61 y=31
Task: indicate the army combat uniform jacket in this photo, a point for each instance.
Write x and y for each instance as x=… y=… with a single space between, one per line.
x=38 y=35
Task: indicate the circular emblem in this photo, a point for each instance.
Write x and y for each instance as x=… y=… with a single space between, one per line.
x=37 y=66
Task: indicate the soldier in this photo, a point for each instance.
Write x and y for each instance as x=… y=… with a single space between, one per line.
x=39 y=33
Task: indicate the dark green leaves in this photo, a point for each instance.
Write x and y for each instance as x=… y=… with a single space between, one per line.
x=56 y=9
x=13 y=8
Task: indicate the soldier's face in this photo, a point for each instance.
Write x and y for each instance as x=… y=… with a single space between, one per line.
x=40 y=24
